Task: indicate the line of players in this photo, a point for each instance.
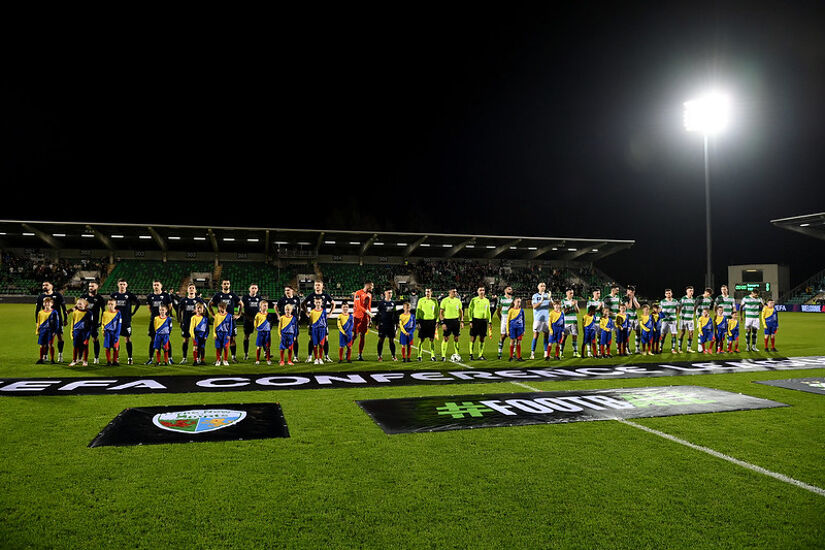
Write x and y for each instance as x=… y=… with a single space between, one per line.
x=557 y=320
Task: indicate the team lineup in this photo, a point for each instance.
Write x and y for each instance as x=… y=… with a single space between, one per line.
x=715 y=323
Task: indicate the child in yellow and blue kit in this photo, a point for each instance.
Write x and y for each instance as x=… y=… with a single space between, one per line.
x=264 y=328
x=346 y=324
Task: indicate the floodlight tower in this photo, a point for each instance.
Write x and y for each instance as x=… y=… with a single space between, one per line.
x=708 y=115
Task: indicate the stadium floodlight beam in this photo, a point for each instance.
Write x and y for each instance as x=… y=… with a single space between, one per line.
x=708 y=115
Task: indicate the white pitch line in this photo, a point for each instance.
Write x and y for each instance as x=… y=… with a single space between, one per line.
x=753 y=467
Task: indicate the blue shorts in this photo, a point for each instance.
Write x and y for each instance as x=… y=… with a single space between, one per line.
x=734 y=335
x=769 y=330
x=161 y=341
x=406 y=339
x=647 y=336
x=721 y=335
x=111 y=338
x=705 y=337
x=264 y=339
x=44 y=338
x=516 y=333
x=556 y=335
x=200 y=339
x=344 y=340
x=80 y=339
x=319 y=334
x=287 y=340
x=622 y=336
x=589 y=335
x=222 y=339
x=606 y=338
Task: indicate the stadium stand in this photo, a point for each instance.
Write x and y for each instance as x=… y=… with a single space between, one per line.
x=807 y=292
x=270 y=279
x=141 y=273
x=344 y=279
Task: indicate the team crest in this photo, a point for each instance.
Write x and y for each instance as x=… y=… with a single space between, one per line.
x=197 y=420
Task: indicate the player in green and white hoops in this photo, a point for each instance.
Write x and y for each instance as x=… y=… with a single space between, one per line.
x=596 y=301
x=613 y=301
x=669 y=308
x=687 y=312
x=726 y=301
x=570 y=307
x=751 y=306
x=505 y=302
x=632 y=317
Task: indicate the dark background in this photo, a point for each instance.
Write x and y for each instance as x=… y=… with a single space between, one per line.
x=559 y=122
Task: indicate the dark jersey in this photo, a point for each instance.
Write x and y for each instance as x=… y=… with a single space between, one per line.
x=154 y=301
x=97 y=304
x=186 y=309
x=58 y=304
x=229 y=298
x=124 y=302
x=251 y=305
x=326 y=301
x=295 y=302
x=387 y=314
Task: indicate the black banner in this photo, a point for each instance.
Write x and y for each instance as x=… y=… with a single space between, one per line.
x=273 y=381
x=190 y=423
x=436 y=414
x=812 y=385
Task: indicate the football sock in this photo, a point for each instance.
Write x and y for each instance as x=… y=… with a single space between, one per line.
x=533 y=345
x=444 y=348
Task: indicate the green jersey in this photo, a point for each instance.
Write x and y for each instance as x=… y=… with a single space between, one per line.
x=631 y=311
x=479 y=308
x=728 y=304
x=426 y=310
x=505 y=303
x=669 y=310
x=704 y=303
x=751 y=306
x=613 y=302
x=688 y=308
x=569 y=309
x=599 y=306
x=451 y=307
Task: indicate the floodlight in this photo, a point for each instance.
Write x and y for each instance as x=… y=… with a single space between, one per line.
x=708 y=114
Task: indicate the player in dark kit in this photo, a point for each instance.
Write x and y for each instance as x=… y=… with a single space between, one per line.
x=59 y=305
x=250 y=309
x=125 y=301
x=387 y=318
x=97 y=304
x=290 y=298
x=328 y=304
x=159 y=297
x=232 y=301
x=186 y=310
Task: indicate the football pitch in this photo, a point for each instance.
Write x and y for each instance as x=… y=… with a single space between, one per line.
x=339 y=481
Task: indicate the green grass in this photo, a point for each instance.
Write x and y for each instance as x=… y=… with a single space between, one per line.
x=339 y=481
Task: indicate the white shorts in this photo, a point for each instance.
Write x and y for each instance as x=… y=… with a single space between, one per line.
x=504 y=327
x=686 y=324
x=668 y=326
x=541 y=325
x=633 y=324
x=572 y=330
x=752 y=323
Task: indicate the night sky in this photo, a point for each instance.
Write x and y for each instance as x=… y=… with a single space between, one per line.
x=563 y=122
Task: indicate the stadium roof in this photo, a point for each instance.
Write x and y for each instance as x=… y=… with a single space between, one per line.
x=311 y=242
x=812 y=225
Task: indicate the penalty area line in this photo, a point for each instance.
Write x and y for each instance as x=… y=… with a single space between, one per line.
x=753 y=467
